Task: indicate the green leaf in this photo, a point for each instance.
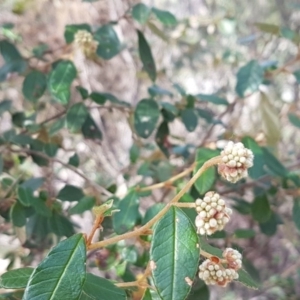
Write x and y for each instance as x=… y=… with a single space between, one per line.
x=269 y=227
x=61 y=274
x=70 y=193
x=200 y=291
x=1 y=164
x=70 y=31
x=212 y=99
x=84 y=93
x=15 y=279
x=258 y=163
x=189 y=118
x=74 y=160
x=294 y=119
x=109 y=44
x=146 y=56
x=40 y=207
x=56 y=126
x=152 y=212
x=33 y=183
x=95 y=288
x=297 y=75
x=18 y=215
x=76 y=116
x=9 y=52
x=249 y=78
x=86 y=203
x=273 y=164
x=61 y=225
x=296 y=213
x=161 y=138
x=34 y=85
x=260 y=209
x=60 y=81
x=174 y=254
x=141 y=12
x=90 y=129
x=150 y=294
x=25 y=195
x=134 y=153
x=126 y=218
x=146 y=115
x=165 y=17
x=5 y=105
x=244 y=233
x=204 y=183
x=156 y=90
x=246 y=280
x=268 y=28
x=210 y=249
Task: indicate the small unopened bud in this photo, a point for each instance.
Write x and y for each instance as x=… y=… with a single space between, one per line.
x=233 y=258
x=236 y=159
x=212 y=214
x=85 y=42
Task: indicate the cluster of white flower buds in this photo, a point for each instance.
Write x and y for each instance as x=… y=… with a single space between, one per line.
x=236 y=159
x=212 y=214
x=213 y=271
x=85 y=41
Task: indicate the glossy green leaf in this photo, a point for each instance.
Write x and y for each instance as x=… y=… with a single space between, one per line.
x=150 y=294
x=95 y=288
x=273 y=164
x=109 y=44
x=260 y=209
x=204 y=183
x=70 y=31
x=165 y=17
x=70 y=193
x=34 y=85
x=18 y=215
x=76 y=116
x=57 y=126
x=244 y=233
x=146 y=56
x=296 y=212
x=174 y=254
x=189 y=118
x=258 y=163
x=246 y=280
x=40 y=207
x=134 y=153
x=61 y=274
x=294 y=119
x=86 y=203
x=161 y=138
x=146 y=115
x=90 y=129
x=141 y=12
x=15 y=279
x=74 y=160
x=126 y=218
x=60 y=81
x=249 y=78
x=212 y=99
x=25 y=195
x=156 y=90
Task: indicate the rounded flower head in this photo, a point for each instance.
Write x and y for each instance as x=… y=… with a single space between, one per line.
x=214 y=273
x=212 y=214
x=233 y=258
x=85 y=41
x=236 y=159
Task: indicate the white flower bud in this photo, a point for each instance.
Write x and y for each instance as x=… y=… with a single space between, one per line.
x=236 y=159
x=233 y=258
